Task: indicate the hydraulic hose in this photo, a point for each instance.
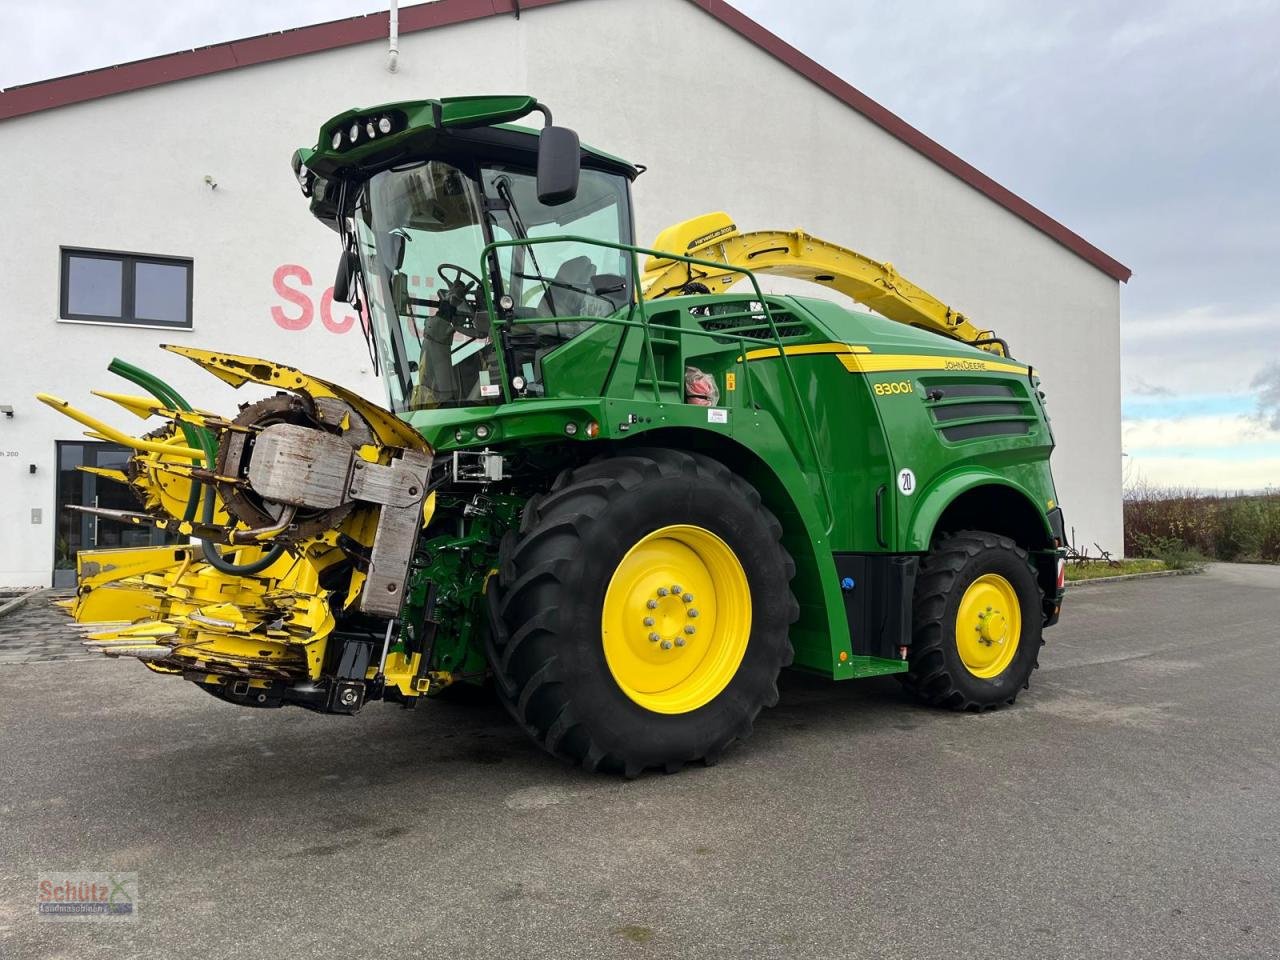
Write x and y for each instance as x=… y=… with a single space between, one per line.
x=173 y=400
x=202 y=439
x=219 y=562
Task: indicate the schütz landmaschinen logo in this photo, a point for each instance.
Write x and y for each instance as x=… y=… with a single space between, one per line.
x=87 y=896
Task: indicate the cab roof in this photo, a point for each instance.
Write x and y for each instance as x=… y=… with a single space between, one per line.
x=358 y=142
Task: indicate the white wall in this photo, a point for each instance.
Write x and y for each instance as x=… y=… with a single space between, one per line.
x=659 y=82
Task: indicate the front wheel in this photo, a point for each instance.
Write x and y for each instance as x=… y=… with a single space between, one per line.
x=976 y=623
x=641 y=614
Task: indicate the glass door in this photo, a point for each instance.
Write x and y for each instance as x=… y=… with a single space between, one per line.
x=76 y=531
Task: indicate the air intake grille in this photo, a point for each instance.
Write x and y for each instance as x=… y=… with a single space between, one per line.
x=978 y=409
x=751 y=324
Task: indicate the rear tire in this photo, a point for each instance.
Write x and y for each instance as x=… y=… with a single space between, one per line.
x=976 y=626
x=593 y=688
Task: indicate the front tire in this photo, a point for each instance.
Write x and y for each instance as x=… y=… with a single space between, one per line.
x=976 y=625
x=597 y=655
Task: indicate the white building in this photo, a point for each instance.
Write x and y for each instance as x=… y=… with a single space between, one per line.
x=184 y=160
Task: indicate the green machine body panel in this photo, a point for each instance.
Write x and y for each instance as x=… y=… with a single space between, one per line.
x=838 y=495
x=859 y=432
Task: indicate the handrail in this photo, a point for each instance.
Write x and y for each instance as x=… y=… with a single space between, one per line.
x=490 y=251
x=714 y=334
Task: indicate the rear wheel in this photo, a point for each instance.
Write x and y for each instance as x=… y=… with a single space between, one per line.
x=641 y=613
x=976 y=632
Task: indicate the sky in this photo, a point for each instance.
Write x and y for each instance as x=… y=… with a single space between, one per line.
x=1150 y=127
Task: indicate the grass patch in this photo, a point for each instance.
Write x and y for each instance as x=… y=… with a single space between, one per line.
x=1099 y=569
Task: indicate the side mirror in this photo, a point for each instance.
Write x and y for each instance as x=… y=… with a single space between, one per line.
x=392 y=250
x=348 y=264
x=559 y=165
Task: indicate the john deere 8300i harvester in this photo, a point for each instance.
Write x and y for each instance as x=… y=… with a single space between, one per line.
x=623 y=485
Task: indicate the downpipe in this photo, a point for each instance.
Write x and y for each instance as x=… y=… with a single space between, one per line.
x=393 y=39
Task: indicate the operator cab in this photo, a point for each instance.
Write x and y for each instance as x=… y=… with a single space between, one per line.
x=418 y=231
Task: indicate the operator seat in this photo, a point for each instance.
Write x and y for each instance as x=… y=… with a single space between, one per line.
x=578 y=291
x=560 y=301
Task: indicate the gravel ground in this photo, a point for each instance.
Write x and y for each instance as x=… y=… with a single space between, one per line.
x=1126 y=807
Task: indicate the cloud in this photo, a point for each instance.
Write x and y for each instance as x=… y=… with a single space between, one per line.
x=1209 y=452
x=1139 y=386
x=1207 y=474
x=1267 y=383
x=1206 y=348
x=1148 y=127
x=1198 y=434
x=1184 y=405
x=1185 y=323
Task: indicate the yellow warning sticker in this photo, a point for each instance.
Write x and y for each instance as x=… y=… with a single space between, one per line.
x=731 y=381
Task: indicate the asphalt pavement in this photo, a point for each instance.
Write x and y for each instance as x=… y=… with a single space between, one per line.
x=1128 y=806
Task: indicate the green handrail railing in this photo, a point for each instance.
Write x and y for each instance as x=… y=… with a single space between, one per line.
x=489 y=255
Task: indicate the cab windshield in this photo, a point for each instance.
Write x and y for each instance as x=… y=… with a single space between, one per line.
x=420 y=232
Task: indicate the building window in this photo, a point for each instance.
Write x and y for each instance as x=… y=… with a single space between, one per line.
x=102 y=286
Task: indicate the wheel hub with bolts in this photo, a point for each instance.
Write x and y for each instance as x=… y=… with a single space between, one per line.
x=994 y=628
x=988 y=626
x=676 y=619
x=667 y=611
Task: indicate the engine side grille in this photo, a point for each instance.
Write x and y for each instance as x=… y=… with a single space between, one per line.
x=991 y=428
x=753 y=324
x=977 y=409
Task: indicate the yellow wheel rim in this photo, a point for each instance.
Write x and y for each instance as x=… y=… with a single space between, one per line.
x=988 y=626
x=676 y=619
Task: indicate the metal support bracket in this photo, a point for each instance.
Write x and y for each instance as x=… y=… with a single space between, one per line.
x=400 y=487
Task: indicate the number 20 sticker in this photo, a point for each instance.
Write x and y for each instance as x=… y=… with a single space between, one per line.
x=906 y=482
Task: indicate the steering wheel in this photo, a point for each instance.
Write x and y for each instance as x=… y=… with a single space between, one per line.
x=458 y=289
x=459 y=303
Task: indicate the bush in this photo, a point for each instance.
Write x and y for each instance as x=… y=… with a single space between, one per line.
x=1239 y=529
x=1269 y=546
x=1175 y=554
x=1185 y=527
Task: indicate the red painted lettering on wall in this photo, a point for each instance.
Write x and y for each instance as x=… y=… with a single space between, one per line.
x=332 y=324
x=299 y=298
x=292 y=283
